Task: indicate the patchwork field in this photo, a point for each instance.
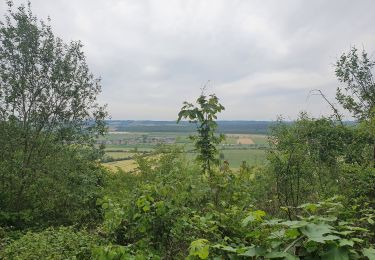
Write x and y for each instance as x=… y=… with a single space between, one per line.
x=235 y=149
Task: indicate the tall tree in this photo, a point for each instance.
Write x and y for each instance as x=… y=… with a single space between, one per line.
x=48 y=114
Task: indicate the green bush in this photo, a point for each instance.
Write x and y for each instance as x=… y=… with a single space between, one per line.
x=52 y=243
x=60 y=187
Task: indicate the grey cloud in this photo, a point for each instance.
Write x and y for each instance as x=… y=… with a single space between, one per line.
x=262 y=57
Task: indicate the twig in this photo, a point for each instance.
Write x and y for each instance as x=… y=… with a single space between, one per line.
x=336 y=112
x=293 y=243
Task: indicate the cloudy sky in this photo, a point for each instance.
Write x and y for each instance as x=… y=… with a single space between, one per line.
x=261 y=58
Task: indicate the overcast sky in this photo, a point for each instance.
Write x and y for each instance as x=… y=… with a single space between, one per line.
x=262 y=58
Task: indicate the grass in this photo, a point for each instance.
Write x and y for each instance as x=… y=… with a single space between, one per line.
x=259 y=139
x=251 y=156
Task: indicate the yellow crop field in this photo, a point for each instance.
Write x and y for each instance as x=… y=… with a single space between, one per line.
x=125 y=165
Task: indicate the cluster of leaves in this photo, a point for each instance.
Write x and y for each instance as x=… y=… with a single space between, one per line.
x=319 y=233
x=52 y=243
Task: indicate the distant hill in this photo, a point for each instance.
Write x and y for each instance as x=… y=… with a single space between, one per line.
x=240 y=127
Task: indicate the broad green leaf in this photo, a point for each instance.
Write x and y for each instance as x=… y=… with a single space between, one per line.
x=357 y=228
x=346 y=242
x=336 y=253
x=254 y=251
x=317 y=232
x=357 y=240
x=369 y=253
x=282 y=255
x=227 y=248
x=344 y=233
x=277 y=234
x=294 y=223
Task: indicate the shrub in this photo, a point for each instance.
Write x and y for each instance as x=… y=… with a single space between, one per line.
x=52 y=243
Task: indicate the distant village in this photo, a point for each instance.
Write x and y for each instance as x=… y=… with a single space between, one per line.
x=139 y=140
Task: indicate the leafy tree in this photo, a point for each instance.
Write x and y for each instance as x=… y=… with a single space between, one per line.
x=46 y=85
x=204 y=115
x=48 y=108
x=356 y=72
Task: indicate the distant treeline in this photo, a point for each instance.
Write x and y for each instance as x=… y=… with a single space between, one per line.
x=225 y=127
x=240 y=127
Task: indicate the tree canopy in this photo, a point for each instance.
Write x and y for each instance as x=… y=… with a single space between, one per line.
x=46 y=84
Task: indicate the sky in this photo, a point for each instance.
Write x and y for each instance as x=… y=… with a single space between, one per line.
x=261 y=58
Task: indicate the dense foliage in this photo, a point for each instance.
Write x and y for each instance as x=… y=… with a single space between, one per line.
x=49 y=118
x=60 y=243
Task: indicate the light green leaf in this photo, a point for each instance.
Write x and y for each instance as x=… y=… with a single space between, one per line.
x=344 y=233
x=282 y=255
x=254 y=251
x=292 y=233
x=317 y=232
x=358 y=240
x=309 y=206
x=294 y=223
x=346 y=242
x=199 y=248
x=369 y=253
x=248 y=219
x=259 y=214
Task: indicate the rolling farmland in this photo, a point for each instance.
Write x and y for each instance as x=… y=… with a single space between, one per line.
x=121 y=147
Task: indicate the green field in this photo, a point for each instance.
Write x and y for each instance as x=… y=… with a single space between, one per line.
x=251 y=156
x=260 y=139
x=123 y=145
